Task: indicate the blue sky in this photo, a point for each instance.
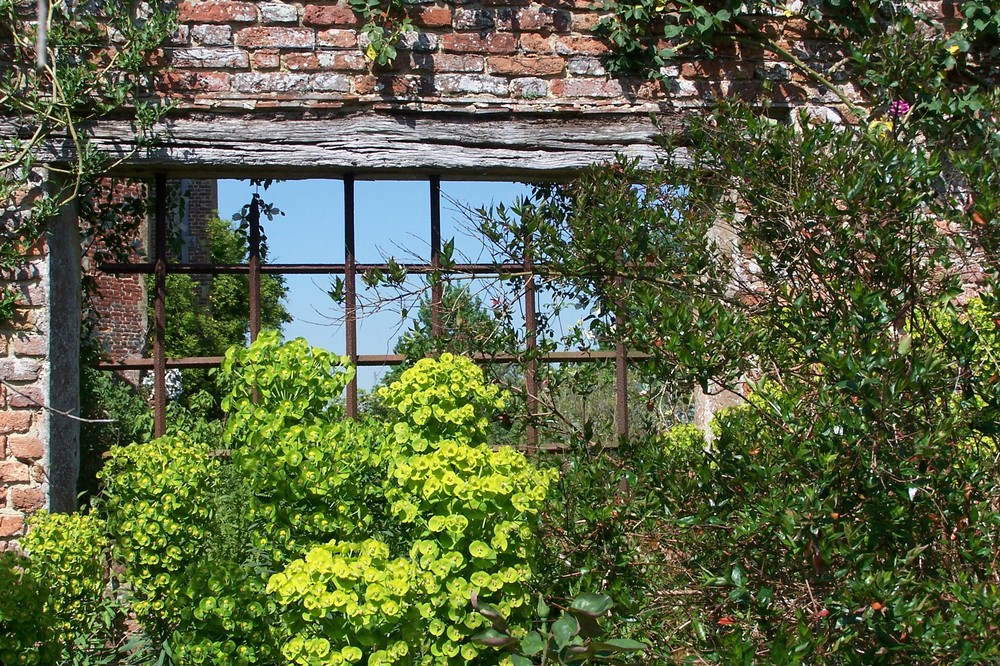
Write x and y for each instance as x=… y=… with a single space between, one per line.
x=392 y=218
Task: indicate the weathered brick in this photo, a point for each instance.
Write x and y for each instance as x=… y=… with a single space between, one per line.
x=257 y=82
x=544 y=19
x=472 y=43
x=27 y=498
x=217 y=11
x=423 y=42
x=773 y=71
x=529 y=88
x=587 y=21
x=301 y=62
x=341 y=39
x=25 y=447
x=192 y=82
x=476 y=84
x=30 y=294
x=266 y=59
x=212 y=35
x=586 y=87
x=322 y=16
x=586 y=66
x=445 y=62
x=343 y=62
x=20 y=370
x=12 y=471
x=532 y=42
x=278 y=12
x=14 y=421
x=11 y=525
x=30 y=345
x=366 y=85
x=210 y=58
x=398 y=85
x=276 y=37
x=485 y=19
x=431 y=17
x=329 y=82
x=181 y=36
x=573 y=45
x=25 y=396
x=526 y=65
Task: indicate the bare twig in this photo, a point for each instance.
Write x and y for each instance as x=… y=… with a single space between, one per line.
x=53 y=410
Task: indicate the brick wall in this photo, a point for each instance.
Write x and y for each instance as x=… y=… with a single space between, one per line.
x=513 y=55
x=23 y=353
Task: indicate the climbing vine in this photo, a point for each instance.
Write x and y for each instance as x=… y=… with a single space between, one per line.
x=81 y=63
x=878 y=45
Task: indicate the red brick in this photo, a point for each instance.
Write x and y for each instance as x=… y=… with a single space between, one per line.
x=581 y=45
x=189 y=82
x=27 y=499
x=341 y=39
x=532 y=42
x=30 y=345
x=586 y=88
x=14 y=472
x=14 y=421
x=366 y=85
x=432 y=17
x=475 y=43
x=323 y=16
x=217 y=11
x=25 y=447
x=526 y=65
x=11 y=525
x=275 y=37
x=266 y=59
x=301 y=62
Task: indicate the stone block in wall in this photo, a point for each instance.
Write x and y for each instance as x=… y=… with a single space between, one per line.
x=28 y=498
x=26 y=447
x=20 y=369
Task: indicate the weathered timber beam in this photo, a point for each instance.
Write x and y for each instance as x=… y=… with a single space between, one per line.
x=388 y=145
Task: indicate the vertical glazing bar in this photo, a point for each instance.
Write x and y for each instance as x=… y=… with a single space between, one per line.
x=531 y=345
x=160 y=308
x=350 y=293
x=437 y=288
x=621 y=368
x=254 y=269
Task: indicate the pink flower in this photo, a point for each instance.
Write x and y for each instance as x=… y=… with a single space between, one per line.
x=899 y=108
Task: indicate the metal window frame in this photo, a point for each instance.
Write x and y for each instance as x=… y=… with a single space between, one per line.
x=160 y=267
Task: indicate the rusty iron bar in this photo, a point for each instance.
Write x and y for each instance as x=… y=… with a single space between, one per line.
x=473 y=270
x=377 y=360
x=160 y=308
x=531 y=344
x=350 y=293
x=437 y=288
x=254 y=267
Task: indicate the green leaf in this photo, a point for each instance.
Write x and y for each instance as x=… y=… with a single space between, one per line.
x=592 y=604
x=493 y=638
x=564 y=629
x=533 y=643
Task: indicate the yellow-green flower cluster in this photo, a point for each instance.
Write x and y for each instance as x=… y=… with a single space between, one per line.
x=67 y=554
x=158 y=509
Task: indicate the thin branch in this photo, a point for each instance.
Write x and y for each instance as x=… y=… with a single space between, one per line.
x=52 y=410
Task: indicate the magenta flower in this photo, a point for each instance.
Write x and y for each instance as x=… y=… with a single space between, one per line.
x=899 y=108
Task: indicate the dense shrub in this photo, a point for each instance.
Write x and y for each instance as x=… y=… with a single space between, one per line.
x=361 y=540
x=54 y=608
